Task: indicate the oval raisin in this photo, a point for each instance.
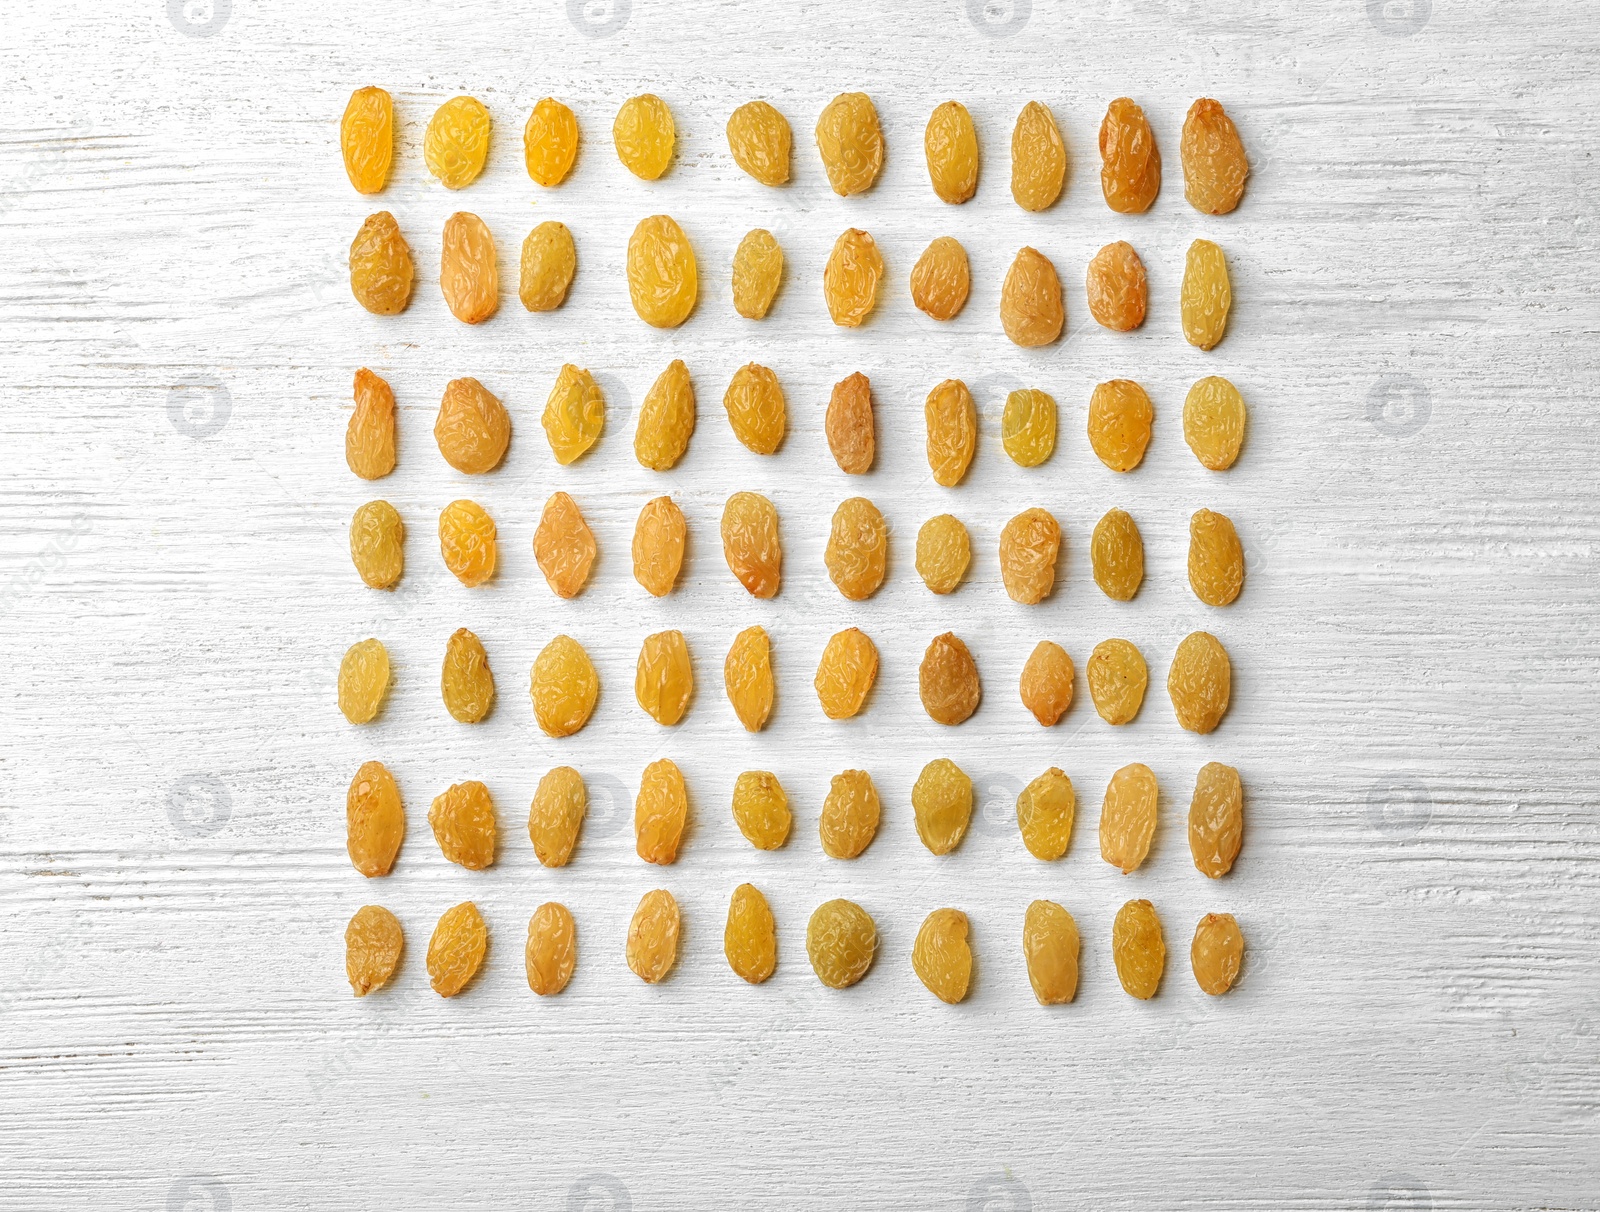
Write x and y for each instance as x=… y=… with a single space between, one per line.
x=750 y=543
x=555 y=816
x=377 y=544
x=1046 y=684
x=948 y=680
x=1045 y=811
x=952 y=420
x=1117 y=287
x=941 y=957
x=1216 y=953
x=759 y=138
x=1206 y=295
x=850 y=142
x=372 y=944
x=564 y=687
x=375 y=820
x=663 y=681
x=941 y=279
x=747 y=677
x=1200 y=682
x=1038 y=158
x=1138 y=949
x=841 y=940
x=1117 y=680
x=1216 y=819
x=1029 y=545
x=469 y=274
x=858 y=549
x=850 y=814
x=1028 y=427
x=850 y=279
x=564 y=546
x=750 y=939
x=467 y=542
x=1216 y=558
x=663 y=278
x=456 y=950
x=653 y=936
x=951 y=146
x=849 y=425
x=1213 y=422
x=466 y=682
x=1031 y=309
x=1214 y=163
x=552 y=950
x=1120 y=416
x=463 y=823
x=549 y=259
x=369 y=438
x=757 y=272
x=1128 y=817
x=1050 y=947
x=574 y=414
x=1130 y=162
x=845 y=674
x=761 y=809
x=550 y=143
x=473 y=428
x=659 y=538
x=1117 y=552
x=381 y=270
x=944 y=549
x=756 y=409
x=366 y=137
x=645 y=135
x=666 y=419
x=363 y=681
x=941 y=801
x=456 y=144
x=660 y=812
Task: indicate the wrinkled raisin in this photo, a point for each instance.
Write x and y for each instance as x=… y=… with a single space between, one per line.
x=660 y=812
x=1138 y=949
x=1130 y=162
x=1117 y=287
x=456 y=144
x=1031 y=310
x=659 y=538
x=1120 y=415
x=952 y=420
x=941 y=279
x=944 y=549
x=381 y=270
x=1128 y=817
x=849 y=425
x=375 y=820
x=1117 y=552
x=663 y=279
x=1028 y=427
x=473 y=428
x=463 y=823
x=941 y=800
x=564 y=687
x=664 y=678
x=756 y=408
x=552 y=950
x=563 y=546
x=841 y=940
x=850 y=814
x=858 y=549
x=467 y=542
x=1029 y=544
x=645 y=135
x=550 y=143
x=363 y=681
x=1206 y=295
x=372 y=944
x=1050 y=947
x=757 y=271
x=846 y=672
x=1213 y=422
x=761 y=809
x=377 y=544
x=1216 y=558
x=465 y=681
x=1038 y=158
x=369 y=437
x=747 y=677
x=951 y=146
x=1200 y=682
x=759 y=138
x=574 y=414
x=1216 y=819
x=1216 y=953
x=1046 y=683
x=941 y=956
x=456 y=949
x=850 y=279
x=948 y=680
x=850 y=142
x=750 y=543
x=1117 y=680
x=653 y=936
x=556 y=814
x=666 y=419
x=366 y=137
x=1045 y=810
x=750 y=939
x=549 y=259
x=469 y=275
x=1214 y=163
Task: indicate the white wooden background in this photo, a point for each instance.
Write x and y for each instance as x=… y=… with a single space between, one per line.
x=1415 y=650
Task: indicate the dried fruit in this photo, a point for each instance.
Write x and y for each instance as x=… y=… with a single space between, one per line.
x=1046 y=684
x=941 y=279
x=849 y=424
x=659 y=538
x=952 y=420
x=951 y=146
x=941 y=799
x=467 y=542
x=549 y=259
x=1117 y=680
x=377 y=544
x=750 y=939
x=1213 y=422
x=941 y=957
x=1029 y=544
x=550 y=143
x=465 y=681
x=1200 y=681
x=375 y=820
x=1130 y=162
x=756 y=410
x=944 y=550
x=948 y=680
x=664 y=679
x=1028 y=427
x=1216 y=953
x=560 y=803
x=1216 y=558
x=1120 y=415
x=563 y=546
x=564 y=687
x=1214 y=163
x=1031 y=310
x=759 y=138
x=841 y=940
x=473 y=429
x=857 y=554
x=761 y=809
x=1050 y=947
x=574 y=414
x=1045 y=810
x=1117 y=287
x=469 y=275
x=846 y=672
x=456 y=144
x=660 y=812
x=464 y=825
x=747 y=677
x=369 y=437
x=1038 y=158
x=363 y=681
x=1128 y=817
x=850 y=142
x=381 y=271
x=644 y=134
x=1205 y=296
x=1216 y=819
x=372 y=944
x=1117 y=551
x=663 y=279
x=850 y=279
x=653 y=936
x=757 y=271
x=850 y=814
x=750 y=543
x=552 y=950
x=666 y=419
x=366 y=137
x=1138 y=949
x=456 y=949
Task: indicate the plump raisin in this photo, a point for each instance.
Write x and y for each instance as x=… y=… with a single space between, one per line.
x=1200 y=682
x=1130 y=162
x=663 y=681
x=660 y=812
x=760 y=140
x=653 y=936
x=761 y=809
x=555 y=816
x=381 y=270
x=1117 y=287
x=666 y=419
x=841 y=940
x=372 y=944
x=1031 y=310
x=375 y=820
x=747 y=677
x=850 y=813
x=756 y=408
x=951 y=146
x=1216 y=819
x=1117 y=552
x=757 y=271
x=377 y=544
x=1216 y=558
x=1205 y=296
x=549 y=259
x=952 y=420
x=944 y=549
x=469 y=275
x=456 y=950
x=948 y=680
x=1213 y=422
x=1138 y=949
x=1128 y=817
x=1117 y=680
x=850 y=279
x=857 y=554
x=563 y=546
x=363 y=681
x=941 y=956
x=659 y=538
x=1029 y=544
x=456 y=144
x=366 y=137
x=1214 y=163
x=552 y=950
x=463 y=823
x=564 y=687
x=850 y=142
x=645 y=135
x=465 y=681
x=550 y=143
x=1216 y=953
x=663 y=279
x=1046 y=683
x=1038 y=158
x=467 y=542
x=750 y=543
x=1045 y=810
x=1120 y=416
x=574 y=414
x=845 y=674
x=369 y=437
x=941 y=279
x=1028 y=426
x=750 y=939
x=1050 y=947
x=849 y=424
x=941 y=800
x=473 y=428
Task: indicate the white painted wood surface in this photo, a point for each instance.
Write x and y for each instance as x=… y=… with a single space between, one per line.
x=1415 y=650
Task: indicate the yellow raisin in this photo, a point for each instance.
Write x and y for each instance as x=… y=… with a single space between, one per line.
x=664 y=679
x=944 y=549
x=574 y=414
x=948 y=680
x=747 y=677
x=756 y=408
x=850 y=813
x=1117 y=551
x=473 y=428
x=556 y=814
x=1029 y=544
x=858 y=549
x=941 y=956
x=1038 y=158
x=757 y=271
x=1205 y=296
x=372 y=944
x=377 y=544
x=750 y=939
x=456 y=144
x=951 y=146
x=1213 y=422
x=941 y=279
x=952 y=420
x=1214 y=163
x=1138 y=949
x=466 y=682
x=363 y=681
x=666 y=419
x=1216 y=953
x=467 y=542
x=1120 y=415
x=845 y=674
x=381 y=270
x=549 y=259
x=653 y=936
x=1216 y=558
x=660 y=812
x=750 y=543
x=659 y=538
x=469 y=275
x=849 y=425
x=1050 y=947
x=850 y=142
x=463 y=823
x=759 y=138
x=456 y=949
x=841 y=940
x=1200 y=682
x=1117 y=680
x=1045 y=810
x=1117 y=287
x=850 y=279
x=375 y=820
x=550 y=143
x=761 y=809
x=369 y=437
x=1216 y=819
x=564 y=687
x=1046 y=684
x=663 y=279
x=1028 y=427
x=552 y=950
x=941 y=800
x=1031 y=310
x=563 y=546
x=1128 y=817
x=366 y=137
x=644 y=134
x=1130 y=162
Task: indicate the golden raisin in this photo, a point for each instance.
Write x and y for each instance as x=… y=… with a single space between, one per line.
x=849 y=425
x=644 y=134
x=1216 y=819
x=1117 y=287
x=1214 y=163
x=465 y=681
x=659 y=538
x=660 y=812
x=456 y=144
x=664 y=679
x=761 y=809
x=381 y=270
x=750 y=543
x=1128 y=817
x=552 y=950
x=858 y=549
x=941 y=800
x=663 y=279
x=556 y=814
x=1046 y=684
x=473 y=429
x=841 y=939
x=1216 y=953
x=1028 y=427
x=1120 y=415
x=550 y=143
x=948 y=680
x=369 y=437
x=653 y=936
x=756 y=409
x=1213 y=422
x=941 y=279
x=1117 y=551
x=1038 y=158
x=666 y=419
x=944 y=550
x=759 y=138
x=1205 y=296
x=747 y=677
x=1029 y=544
x=952 y=420
x=375 y=820
x=845 y=674
x=1138 y=949
x=1216 y=558
x=366 y=137
x=850 y=279
x=750 y=939
x=377 y=544
x=850 y=813
x=1200 y=682
x=456 y=949
x=941 y=957
x=564 y=687
x=1031 y=310
x=363 y=681
x=372 y=944
x=469 y=275
x=549 y=259
x=1045 y=810
x=850 y=142
x=1117 y=680
x=574 y=414
x=951 y=146
x=464 y=825
x=1130 y=162
x=1050 y=947
x=563 y=546
x=757 y=271
x=467 y=542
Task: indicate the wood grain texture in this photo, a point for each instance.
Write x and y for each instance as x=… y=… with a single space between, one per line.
x=1416 y=649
